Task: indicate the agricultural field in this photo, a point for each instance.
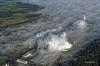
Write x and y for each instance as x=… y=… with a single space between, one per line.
x=12 y=12
x=2 y=59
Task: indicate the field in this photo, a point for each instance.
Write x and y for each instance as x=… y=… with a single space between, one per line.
x=2 y=59
x=12 y=12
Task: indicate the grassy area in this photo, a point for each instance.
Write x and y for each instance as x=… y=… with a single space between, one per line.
x=11 y=13
x=2 y=59
x=9 y=6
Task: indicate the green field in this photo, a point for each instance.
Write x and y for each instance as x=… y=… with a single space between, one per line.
x=11 y=13
x=2 y=59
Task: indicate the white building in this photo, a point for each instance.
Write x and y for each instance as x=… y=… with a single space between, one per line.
x=6 y=65
x=22 y=61
x=27 y=55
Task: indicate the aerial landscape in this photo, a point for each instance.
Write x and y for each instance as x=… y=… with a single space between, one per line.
x=49 y=32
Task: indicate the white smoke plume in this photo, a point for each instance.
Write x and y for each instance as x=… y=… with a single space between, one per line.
x=58 y=43
x=81 y=24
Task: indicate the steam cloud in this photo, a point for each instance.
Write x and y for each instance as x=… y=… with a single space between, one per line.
x=58 y=43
